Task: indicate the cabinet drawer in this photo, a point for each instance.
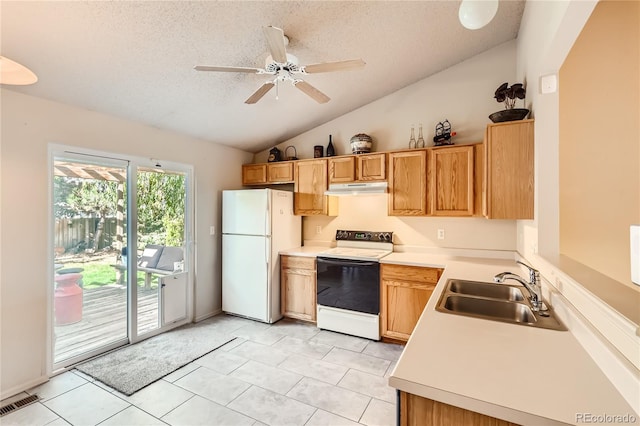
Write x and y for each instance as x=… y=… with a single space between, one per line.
x=410 y=273
x=298 y=262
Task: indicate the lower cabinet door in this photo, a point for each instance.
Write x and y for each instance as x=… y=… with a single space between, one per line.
x=299 y=294
x=418 y=411
x=403 y=303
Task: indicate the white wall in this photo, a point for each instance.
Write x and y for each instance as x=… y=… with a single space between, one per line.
x=547 y=33
x=463 y=94
x=29 y=124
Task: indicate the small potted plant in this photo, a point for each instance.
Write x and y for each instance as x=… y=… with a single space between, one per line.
x=509 y=95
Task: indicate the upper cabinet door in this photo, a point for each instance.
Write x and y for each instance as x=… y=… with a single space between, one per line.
x=371 y=167
x=342 y=169
x=254 y=174
x=309 y=187
x=509 y=170
x=408 y=183
x=280 y=172
x=451 y=180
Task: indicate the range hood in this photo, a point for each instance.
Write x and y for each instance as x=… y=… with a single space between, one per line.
x=357 y=188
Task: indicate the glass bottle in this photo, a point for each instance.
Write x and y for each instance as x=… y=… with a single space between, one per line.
x=412 y=139
x=420 y=143
x=330 y=150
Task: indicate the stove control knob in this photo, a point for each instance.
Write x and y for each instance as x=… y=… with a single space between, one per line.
x=369 y=237
x=385 y=236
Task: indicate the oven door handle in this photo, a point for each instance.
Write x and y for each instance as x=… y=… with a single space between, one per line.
x=346 y=262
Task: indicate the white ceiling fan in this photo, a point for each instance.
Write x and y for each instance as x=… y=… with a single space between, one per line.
x=284 y=66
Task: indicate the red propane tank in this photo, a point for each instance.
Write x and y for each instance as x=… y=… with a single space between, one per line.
x=68 y=299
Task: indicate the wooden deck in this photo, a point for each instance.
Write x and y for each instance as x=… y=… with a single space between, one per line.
x=104 y=320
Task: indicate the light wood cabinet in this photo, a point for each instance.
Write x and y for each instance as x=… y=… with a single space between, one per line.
x=371 y=167
x=254 y=174
x=310 y=183
x=342 y=169
x=298 y=287
x=451 y=181
x=509 y=170
x=408 y=183
x=358 y=168
x=418 y=411
x=280 y=172
x=267 y=173
x=405 y=291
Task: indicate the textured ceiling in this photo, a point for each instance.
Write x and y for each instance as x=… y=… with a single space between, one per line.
x=135 y=59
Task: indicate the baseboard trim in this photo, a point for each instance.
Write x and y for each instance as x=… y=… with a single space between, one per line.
x=208 y=315
x=7 y=393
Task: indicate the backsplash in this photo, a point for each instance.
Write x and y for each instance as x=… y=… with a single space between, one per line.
x=369 y=212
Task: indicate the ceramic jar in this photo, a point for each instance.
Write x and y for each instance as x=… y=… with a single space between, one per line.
x=361 y=143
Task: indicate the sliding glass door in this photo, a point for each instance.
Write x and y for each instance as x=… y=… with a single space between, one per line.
x=161 y=202
x=121 y=253
x=90 y=296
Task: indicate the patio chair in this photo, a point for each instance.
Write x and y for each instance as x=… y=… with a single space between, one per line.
x=155 y=259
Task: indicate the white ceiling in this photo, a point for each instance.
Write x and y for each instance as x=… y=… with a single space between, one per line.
x=134 y=59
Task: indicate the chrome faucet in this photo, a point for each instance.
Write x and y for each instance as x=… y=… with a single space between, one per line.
x=533 y=286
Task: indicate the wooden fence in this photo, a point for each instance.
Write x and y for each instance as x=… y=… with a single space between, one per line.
x=77 y=234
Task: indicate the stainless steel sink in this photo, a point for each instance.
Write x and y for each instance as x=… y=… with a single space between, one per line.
x=496 y=302
x=495 y=309
x=476 y=288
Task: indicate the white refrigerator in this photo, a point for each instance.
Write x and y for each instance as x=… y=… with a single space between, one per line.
x=256 y=225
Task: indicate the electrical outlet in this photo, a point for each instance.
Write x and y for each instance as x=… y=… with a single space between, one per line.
x=318 y=229
x=441 y=234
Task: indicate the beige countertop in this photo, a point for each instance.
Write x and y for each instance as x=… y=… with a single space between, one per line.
x=522 y=374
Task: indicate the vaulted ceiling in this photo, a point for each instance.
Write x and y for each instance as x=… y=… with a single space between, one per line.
x=135 y=59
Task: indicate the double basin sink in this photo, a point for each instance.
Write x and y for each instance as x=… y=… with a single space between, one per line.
x=497 y=302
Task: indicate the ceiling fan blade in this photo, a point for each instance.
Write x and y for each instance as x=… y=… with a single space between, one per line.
x=311 y=91
x=258 y=94
x=334 y=66
x=228 y=69
x=275 y=40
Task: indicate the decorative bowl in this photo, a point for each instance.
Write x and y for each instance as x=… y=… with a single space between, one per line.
x=509 y=115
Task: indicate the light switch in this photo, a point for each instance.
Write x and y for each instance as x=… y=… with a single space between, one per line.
x=212 y=230
x=548 y=84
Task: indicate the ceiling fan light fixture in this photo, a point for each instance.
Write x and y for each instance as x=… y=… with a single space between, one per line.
x=291 y=59
x=475 y=14
x=14 y=73
x=283 y=66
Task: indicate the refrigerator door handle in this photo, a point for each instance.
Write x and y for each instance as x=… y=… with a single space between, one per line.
x=267 y=215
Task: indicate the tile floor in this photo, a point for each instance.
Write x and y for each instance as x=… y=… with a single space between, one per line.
x=288 y=373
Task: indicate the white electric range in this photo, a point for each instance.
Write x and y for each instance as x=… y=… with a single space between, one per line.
x=348 y=283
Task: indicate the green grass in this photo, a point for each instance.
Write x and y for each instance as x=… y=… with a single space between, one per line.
x=96 y=274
